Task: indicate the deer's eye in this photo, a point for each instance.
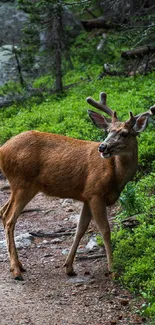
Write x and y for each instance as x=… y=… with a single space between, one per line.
x=124 y=134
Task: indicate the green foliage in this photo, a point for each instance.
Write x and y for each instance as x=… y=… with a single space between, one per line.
x=66 y=113
x=130 y=203
x=10 y=88
x=85 y=45
x=146 y=148
x=134 y=248
x=142 y=31
x=45 y=81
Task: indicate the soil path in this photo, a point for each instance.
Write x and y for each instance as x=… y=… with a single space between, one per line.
x=47 y=296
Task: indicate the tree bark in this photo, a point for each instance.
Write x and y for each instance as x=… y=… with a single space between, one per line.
x=58 y=73
x=19 y=69
x=57 y=37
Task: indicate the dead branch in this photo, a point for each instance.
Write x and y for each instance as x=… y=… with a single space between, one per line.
x=89 y=257
x=51 y=235
x=98 y=23
x=138 y=53
x=31 y=210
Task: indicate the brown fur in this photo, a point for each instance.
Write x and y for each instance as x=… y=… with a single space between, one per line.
x=61 y=166
x=58 y=166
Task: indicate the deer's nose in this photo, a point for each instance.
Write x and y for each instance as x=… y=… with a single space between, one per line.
x=102 y=147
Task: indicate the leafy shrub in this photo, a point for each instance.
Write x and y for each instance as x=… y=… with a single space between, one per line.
x=134 y=248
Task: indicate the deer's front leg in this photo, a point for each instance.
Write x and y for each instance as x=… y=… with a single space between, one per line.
x=98 y=208
x=83 y=224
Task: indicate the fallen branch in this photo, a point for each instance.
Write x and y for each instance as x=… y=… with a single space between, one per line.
x=130 y=222
x=32 y=210
x=98 y=23
x=89 y=257
x=138 y=53
x=51 y=235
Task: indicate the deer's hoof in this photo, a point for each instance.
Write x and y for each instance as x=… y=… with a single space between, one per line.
x=19 y=278
x=69 y=270
x=72 y=273
x=16 y=273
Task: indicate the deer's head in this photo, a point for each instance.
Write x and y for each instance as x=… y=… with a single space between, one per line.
x=121 y=135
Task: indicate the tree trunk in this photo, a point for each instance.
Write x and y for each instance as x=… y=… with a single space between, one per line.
x=58 y=71
x=58 y=48
x=22 y=81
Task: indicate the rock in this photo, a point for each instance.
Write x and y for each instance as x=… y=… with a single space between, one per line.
x=22 y=241
x=113 y=322
x=68 y=205
x=81 y=250
x=78 y=280
x=56 y=241
x=67 y=202
x=114 y=292
x=3 y=244
x=7 y=64
x=45 y=242
x=69 y=209
x=65 y=251
x=12 y=21
x=130 y=222
x=74 y=218
x=92 y=244
x=124 y=302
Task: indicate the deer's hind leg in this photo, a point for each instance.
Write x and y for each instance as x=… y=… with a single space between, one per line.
x=19 y=199
x=3 y=209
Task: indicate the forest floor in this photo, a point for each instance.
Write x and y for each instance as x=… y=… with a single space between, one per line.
x=47 y=296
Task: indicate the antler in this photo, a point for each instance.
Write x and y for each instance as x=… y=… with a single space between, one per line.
x=152 y=110
x=148 y=113
x=101 y=105
x=132 y=120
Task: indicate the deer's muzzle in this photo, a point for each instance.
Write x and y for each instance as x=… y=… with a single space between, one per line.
x=103 y=149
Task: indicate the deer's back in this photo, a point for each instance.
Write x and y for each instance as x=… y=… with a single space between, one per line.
x=56 y=165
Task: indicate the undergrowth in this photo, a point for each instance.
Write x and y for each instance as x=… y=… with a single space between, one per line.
x=134 y=248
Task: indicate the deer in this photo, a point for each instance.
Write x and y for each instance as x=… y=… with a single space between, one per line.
x=94 y=173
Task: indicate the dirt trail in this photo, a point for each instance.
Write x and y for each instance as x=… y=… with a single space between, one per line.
x=47 y=296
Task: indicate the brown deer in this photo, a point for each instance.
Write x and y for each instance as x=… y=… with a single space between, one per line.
x=64 y=167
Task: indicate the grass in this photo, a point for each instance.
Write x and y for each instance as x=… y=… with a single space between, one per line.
x=67 y=114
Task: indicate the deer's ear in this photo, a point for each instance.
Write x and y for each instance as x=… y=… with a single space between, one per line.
x=141 y=124
x=98 y=119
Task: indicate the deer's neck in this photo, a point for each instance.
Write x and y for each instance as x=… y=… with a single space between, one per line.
x=126 y=166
